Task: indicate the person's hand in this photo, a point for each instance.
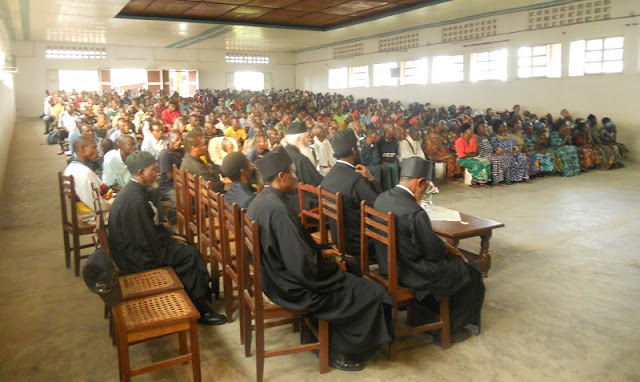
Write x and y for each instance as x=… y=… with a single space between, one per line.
x=364 y=171
x=499 y=151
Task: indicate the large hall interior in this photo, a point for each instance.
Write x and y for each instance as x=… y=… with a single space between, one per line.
x=563 y=287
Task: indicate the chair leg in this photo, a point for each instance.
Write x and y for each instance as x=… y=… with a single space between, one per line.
x=228 y=295
x=123 y=350
x=67 y=248
x=247 y=331
x=195 y=352
x=259 y=350
x=241 y=312
x=76 y=254
x=445 y=335
x=323 y=333
x=215 y=278
x=184 y=349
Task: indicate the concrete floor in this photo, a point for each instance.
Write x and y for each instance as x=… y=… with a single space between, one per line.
x=563 y=295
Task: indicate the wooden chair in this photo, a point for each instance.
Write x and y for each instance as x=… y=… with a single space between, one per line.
x=381 y=227
x=330 y=206
x=151 y=317
x=266 y=313
x=308 y=217
x=209 y=242
x=179 y=185
x=72 y=228
x=229 y=232
x=191 y=206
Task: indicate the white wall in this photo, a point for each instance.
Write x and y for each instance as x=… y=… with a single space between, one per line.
x=7 y=111
x=613 y=95
x=32 y=80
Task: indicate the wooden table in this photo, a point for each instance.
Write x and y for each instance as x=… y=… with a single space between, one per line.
x=453 y=232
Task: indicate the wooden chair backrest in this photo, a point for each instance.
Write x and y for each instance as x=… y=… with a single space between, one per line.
x=381 y=227
x=330 y=206
x=250 y=244
x=179 y=184
x=68 y=200
x=230 y=228
x=101 y=227
x=191 y=206
x=305 y=214
x=208 y=218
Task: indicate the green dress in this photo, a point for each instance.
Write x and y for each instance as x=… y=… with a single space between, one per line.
x=568 y=154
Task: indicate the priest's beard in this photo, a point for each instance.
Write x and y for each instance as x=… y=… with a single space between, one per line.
x=308 y=152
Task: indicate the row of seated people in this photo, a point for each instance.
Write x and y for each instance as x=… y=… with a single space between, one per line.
x=296 y=276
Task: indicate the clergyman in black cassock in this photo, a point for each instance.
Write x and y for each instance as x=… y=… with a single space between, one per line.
x=426 y=265
x=139 y=242
x=297 y=277
x=354 y=183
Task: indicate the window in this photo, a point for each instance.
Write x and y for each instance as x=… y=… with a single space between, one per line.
x=414 y=72
x=385 y=74
x=359 y=76
x=447 y=69
x=602 y=55
x=75 y=54
x=489 y=66
x=248 y=80
x=246 y=58
x=539 y=61
x=338 y=78
x=79 y=80
x=128 y=79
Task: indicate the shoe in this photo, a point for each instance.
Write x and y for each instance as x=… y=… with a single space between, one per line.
x=344 y=365
x=212 y=318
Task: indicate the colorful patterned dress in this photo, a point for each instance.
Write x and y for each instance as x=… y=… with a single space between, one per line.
x=568 y=154
x=586 y=154
x=519 y=161
x=437 y=151
x=541 y=160
x=478 y=167
x=500 y=164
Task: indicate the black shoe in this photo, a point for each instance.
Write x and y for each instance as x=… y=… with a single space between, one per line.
x=345 y=365
x=212 y=318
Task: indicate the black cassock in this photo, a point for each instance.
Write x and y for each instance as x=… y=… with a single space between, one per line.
x=425 y=266
x=307 y=174
x=354 y=188
x=138 y=243
x=298 y=278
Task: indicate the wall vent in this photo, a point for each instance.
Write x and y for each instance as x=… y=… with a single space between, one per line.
x=398 y=42
x=350 y=50
x=470 y=30
x=576 y=13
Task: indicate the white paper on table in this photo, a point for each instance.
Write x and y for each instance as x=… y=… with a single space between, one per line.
x=441 y=213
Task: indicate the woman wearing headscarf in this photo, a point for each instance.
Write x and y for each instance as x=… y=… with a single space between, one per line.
x=500 y=140
x=500 y=161
x=542 y=161
x=437 y=151
x=609 y=137
x=515 y=132
x=467 y=151
x=582 y=140
x=560 y=143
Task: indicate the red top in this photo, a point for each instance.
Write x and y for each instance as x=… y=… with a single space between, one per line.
x=462 y=147
x=169 y=117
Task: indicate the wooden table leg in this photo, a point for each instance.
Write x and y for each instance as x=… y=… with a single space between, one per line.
x=485 y=257
x=453 y=242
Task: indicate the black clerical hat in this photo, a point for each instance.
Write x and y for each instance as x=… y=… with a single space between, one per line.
x=274 y=162
x=342 y=143
x=297 y=127
x=416 y=167
x=138 y=160
x=233 y=163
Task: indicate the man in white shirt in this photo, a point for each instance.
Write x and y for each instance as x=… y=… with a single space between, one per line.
x=114 y=170
x=323 y=150
x=154 y=141
x=123 y=129
x=85 y=179
x=219 y=147
x=410 y=146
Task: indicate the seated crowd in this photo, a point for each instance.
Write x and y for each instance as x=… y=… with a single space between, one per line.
x=255 y=148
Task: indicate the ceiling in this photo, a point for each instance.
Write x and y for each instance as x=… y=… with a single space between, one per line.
x=307 y=14
x=96 y=22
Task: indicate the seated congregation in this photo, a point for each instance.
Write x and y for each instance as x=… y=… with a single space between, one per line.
x=207 y=185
